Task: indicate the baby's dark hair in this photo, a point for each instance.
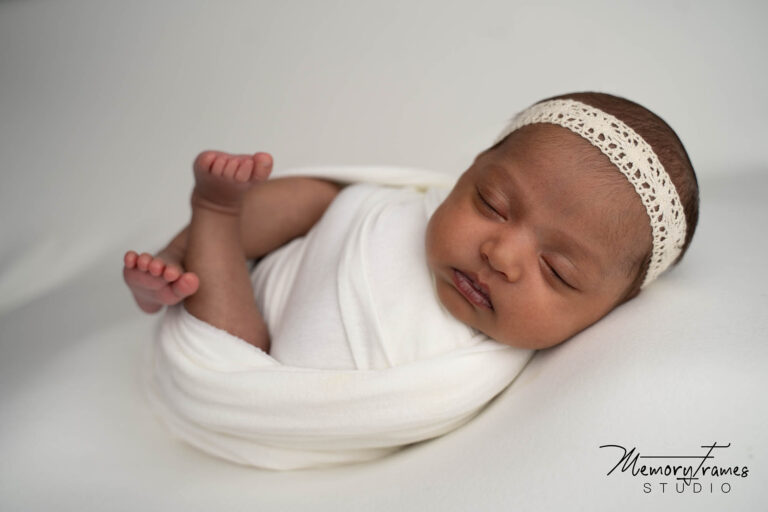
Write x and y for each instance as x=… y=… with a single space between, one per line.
x=671 y=152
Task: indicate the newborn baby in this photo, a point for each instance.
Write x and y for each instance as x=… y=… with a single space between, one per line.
x=583 y=200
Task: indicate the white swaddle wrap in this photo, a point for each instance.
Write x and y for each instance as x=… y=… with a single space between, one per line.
x=364 y=359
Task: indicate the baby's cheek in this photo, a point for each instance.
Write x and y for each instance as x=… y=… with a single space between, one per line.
x=429 y=244
x=437 y=237
x=504 y=332
x=528 y=326
x=456 y=306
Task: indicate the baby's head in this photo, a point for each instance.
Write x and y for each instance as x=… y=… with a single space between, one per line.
x=584 y=200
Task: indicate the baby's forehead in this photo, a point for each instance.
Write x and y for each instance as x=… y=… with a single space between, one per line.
x=554 y=156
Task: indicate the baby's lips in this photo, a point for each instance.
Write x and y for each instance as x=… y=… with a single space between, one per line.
x=471 y=289
x=479 y=285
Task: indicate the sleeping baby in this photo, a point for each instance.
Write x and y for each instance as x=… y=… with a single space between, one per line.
x=388 y=306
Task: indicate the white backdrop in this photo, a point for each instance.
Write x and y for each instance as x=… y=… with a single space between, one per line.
x=104 y=104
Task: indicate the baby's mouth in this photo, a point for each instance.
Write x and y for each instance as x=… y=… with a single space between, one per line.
x=471 y=290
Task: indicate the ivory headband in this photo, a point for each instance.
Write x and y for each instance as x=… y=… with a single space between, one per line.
x=636 y=160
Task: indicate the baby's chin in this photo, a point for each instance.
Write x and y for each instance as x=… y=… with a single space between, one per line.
x=515 y=341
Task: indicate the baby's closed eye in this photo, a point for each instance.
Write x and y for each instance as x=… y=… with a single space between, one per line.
x=487 y=204
x=557 y=274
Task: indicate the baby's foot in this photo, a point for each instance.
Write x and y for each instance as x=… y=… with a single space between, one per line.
x=221 y=179
x=157 y=281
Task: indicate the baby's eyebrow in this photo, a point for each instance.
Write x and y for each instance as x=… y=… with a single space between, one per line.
x=502 y=178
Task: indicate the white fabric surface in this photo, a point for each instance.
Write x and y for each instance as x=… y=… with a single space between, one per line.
x=316 y=306
x=398 y=368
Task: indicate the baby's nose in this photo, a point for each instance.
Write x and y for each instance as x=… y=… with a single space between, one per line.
x=507 y=255
x=510 y=251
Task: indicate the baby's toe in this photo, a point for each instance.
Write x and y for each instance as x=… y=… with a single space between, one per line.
x=245 y=170
x=186 y=285
x=156 y=266
x=231 y=167
x=262 y=165
x=130 y=259
x=172 y=273
x=205 y=159
x=142 y=263
x=217 y=168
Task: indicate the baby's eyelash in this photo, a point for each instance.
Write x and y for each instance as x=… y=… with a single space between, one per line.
x=558 y=276
x=486 y=203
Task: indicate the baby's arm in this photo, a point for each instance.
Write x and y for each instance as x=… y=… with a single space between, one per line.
x=274 y=213
x=281 y=210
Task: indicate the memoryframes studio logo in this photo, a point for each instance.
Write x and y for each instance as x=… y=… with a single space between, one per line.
x=694 y=473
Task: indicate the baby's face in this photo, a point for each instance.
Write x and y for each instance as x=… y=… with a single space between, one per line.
x=534 y=244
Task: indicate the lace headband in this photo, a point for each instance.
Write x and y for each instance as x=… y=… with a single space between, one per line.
x=636 y=160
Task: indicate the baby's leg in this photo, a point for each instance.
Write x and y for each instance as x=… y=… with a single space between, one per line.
x=274 y=213
x=214 y=248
